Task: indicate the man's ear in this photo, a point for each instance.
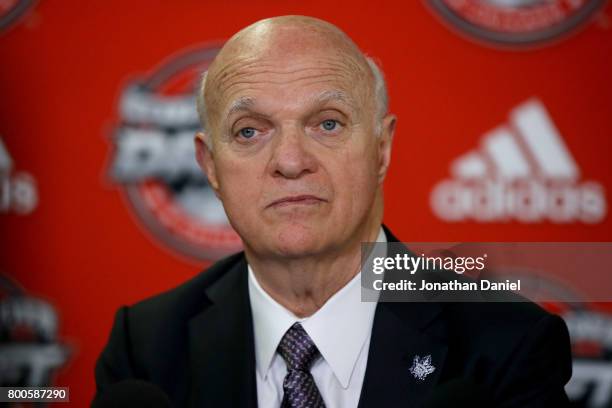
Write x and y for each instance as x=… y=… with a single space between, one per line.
x=385 y=140
x=206 y=160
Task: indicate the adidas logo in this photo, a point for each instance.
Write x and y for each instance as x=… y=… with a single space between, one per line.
x=523 y=171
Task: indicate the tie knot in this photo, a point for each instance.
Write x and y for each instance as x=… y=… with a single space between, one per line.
x=297 y=349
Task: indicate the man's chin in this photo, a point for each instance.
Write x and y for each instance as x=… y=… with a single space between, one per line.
x=297 y=241
x=293 y=239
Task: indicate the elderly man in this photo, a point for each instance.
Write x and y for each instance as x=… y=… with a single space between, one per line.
x=296 y=143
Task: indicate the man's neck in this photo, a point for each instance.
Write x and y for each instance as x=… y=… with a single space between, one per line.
x=303 y=285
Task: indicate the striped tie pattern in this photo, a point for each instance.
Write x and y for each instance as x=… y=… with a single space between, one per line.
x=299 y=352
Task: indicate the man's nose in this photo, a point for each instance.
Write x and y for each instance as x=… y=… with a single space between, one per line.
x=291 y=157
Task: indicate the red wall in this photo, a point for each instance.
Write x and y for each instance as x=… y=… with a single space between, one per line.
x=65 y=65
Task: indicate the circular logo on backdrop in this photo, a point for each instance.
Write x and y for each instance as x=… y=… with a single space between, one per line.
x=11 y=10
x=154 y=160
x=30 y=350
x=516 y=22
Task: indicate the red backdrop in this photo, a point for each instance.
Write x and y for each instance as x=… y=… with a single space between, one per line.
x=65 y=66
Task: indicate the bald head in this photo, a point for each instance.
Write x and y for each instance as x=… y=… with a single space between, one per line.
x=276 y=43
x=286 y=35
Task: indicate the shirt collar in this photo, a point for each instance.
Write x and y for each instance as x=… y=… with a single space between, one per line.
x=339 y=328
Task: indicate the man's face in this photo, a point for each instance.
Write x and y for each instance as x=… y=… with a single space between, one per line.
x=295 y=160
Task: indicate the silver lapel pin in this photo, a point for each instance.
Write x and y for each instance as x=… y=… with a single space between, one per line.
x=422 y=367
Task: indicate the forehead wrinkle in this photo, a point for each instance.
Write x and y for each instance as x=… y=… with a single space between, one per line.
x=246 y=66
x=318 y=78
x=231 y=67
x=307 y=80
x=246 y=103
x=249 y=74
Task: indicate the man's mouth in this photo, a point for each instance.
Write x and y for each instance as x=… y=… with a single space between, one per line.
x=296 y=200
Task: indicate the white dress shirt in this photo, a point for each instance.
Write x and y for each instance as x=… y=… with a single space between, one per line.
x=340 y=329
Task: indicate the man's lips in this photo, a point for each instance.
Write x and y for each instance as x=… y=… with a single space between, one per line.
x=304 y=199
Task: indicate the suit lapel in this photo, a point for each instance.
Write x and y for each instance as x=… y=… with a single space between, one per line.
x=222 y=355
x=396 y=341
x=401 y=332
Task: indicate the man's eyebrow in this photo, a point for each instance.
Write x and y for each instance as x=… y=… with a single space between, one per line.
x=334 y=95
x=241 y=104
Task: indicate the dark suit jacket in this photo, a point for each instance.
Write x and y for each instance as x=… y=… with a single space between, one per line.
x=196 y=343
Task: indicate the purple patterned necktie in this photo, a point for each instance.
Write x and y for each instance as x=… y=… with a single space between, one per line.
x=299 y=352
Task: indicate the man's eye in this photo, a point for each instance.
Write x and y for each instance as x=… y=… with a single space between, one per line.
x=247 y=133
x=329 y=124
